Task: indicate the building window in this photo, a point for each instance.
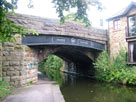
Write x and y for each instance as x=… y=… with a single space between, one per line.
x=132 y=52
x=117 y=25
x=132 y=25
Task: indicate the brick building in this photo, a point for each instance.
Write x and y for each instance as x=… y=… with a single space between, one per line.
x=122 y=32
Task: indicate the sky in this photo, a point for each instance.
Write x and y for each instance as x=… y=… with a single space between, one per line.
x=44 y=8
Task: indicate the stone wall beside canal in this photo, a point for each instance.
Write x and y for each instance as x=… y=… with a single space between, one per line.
x=18 y=66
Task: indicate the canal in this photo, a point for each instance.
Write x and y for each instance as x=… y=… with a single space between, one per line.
x=75 y=89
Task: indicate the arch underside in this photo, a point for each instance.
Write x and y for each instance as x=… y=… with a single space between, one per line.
x=82 y=63
x=81 y=58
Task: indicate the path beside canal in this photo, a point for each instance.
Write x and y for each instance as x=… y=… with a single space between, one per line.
x=43 y=91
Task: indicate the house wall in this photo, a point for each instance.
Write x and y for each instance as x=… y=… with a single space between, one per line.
x=117 y=39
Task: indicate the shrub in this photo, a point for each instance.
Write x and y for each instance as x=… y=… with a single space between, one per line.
x=114 y=69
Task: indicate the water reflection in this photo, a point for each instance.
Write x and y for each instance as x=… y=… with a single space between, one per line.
x=85 y=90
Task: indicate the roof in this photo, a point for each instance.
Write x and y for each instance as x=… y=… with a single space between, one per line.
x=123 y=11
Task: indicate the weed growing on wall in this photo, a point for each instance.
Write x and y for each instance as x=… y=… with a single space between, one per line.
x=5 y=89
x=114 y=69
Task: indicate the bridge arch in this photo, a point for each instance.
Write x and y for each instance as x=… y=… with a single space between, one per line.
x=20 y=59
x=81 y=57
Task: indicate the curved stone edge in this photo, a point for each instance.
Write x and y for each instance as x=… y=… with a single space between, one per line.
x=58 y=97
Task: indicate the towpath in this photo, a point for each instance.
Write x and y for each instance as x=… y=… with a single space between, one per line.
x=43 y=91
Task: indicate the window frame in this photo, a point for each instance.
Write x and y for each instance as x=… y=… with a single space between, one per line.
x=128 y=35
x=116 y=24
x=129 y=53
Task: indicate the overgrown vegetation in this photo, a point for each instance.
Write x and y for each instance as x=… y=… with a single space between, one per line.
x=114 y=69
x=51 y=67
x=5 y=89
x=8 y=29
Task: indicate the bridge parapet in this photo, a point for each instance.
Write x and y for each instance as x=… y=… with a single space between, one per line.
x=53 y=27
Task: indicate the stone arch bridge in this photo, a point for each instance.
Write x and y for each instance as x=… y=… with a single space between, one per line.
x=71 y=41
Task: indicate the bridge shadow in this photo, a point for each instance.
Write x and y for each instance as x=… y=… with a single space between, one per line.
x=76 y=61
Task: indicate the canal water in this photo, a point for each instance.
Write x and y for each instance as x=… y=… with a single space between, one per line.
x=75 y=89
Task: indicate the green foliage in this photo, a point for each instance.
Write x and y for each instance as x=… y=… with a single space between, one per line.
x=5 y=89
x=114 y=69
x=8 y=28
x=29 y=83
x=81 y=5
x=71 y=17
x=41 y=66
x=53 y=62
x=51 y=66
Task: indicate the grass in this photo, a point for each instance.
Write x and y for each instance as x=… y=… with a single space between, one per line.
x=5 y=89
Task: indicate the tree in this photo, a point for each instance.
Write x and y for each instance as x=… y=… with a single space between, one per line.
x=8 y=28
x=81 y=5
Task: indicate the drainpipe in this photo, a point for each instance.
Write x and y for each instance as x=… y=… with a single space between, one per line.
x=108 y=40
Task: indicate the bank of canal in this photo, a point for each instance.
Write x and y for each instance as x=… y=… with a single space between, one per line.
x=77 y=89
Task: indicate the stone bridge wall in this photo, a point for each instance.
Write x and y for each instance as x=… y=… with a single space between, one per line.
x=53 y=27
x=19 y=63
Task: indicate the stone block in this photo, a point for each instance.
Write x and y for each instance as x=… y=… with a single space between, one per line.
x=14 y=58
x=11 y=69
x=17 y=83
x=18 y=41
x=9 y=44
x=4 y=74
x=5 y=68
x=10 y=73
x=18 y=54
x=7 y=79
x=22 y=82
x=23 y=72
x=17 y=73
x=18 y=47
x=19 y=68
x=22 y=77
x=6 y=48
x=15 y=78
x=5 y=63
x=12 y=83
x=14 y=63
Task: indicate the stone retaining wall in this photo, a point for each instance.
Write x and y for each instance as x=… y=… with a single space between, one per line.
x=19 y=67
